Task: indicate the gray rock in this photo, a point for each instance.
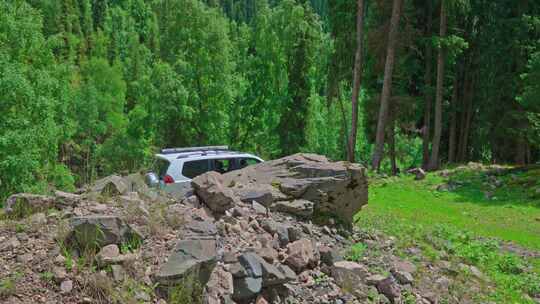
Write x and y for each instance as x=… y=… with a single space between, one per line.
x=107 y=253
x=201 y=228
x=99 y=231
x=209 y=187
x=23 y=204
x=328 y=255
x=59 y=274
x=261 y=196
x=419 y=173
x=272 y=275
x=299 y=207
x=350 y=276
x=25 y=258
x=66 y=199
x=295 y=233
x=238 y=271
x=269 y=254
x=301 y=255
x=338 y=189
x=259 y=209
x=389 y=288
x=118 y=273
x=251 y=263
x=220 y=284
x=193 y=258
x=403 y=277
x=405 y=266
x=66 y=286
x=344 y=268
x=375 y=279
x=273 y=227
x=287 y=272
x=113 y=185
x=247 y=288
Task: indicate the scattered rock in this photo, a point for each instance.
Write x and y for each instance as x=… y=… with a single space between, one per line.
x=301 y=254
x=196 y=258
x=98 y=231
x=375 y=279
x=118 y=273
x=59 y=274
x=209 y=187
x=349 y=275
x=419 y=173
x=389 y=288
x=269 y=254
x=328 y=255
x=273 y=227
x=25 y=258
x=66 y=286
x=403 y=277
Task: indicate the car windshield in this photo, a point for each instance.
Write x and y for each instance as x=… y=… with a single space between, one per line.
x=160 y=167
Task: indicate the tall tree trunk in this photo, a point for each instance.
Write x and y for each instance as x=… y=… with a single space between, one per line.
x=357 y=79
x=392 y=146
x=453 y=122
x=463 y=114
x=387 y=85
x=428 y=96
x=434 y=160
x=467 y=124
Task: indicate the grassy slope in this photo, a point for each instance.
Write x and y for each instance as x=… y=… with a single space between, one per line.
x=456 y=223
x=511 y=215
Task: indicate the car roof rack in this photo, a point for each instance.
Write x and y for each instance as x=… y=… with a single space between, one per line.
x=194 y=149
x=206 y=153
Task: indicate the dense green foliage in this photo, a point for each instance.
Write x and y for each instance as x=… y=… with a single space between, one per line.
x=92 y=87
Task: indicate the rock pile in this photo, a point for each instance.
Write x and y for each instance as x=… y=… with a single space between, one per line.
x=270 y=233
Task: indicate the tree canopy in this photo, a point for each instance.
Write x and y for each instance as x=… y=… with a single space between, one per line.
x=92 y=87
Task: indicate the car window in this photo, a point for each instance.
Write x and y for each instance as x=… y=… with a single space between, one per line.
x=160 y=167
x=223 y=165
x=194 y=168
x=244 y=162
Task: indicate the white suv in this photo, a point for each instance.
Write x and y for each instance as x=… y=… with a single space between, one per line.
x=177 y=166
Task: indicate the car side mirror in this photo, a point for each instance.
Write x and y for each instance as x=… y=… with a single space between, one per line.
x=151 y=180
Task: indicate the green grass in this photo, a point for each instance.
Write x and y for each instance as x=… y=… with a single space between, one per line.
x=510 y=216
x=465 y=224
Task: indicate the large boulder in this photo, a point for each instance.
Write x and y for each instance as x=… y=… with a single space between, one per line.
x=113 y=185
x=336 y=189
x=210 y=188
x=24 y=204
x=192 y=261
x=98 y=231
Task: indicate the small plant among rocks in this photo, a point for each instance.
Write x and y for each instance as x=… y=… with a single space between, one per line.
x=188 y=292
x=356 y=252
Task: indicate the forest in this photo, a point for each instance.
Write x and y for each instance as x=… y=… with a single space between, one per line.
x=92 y=87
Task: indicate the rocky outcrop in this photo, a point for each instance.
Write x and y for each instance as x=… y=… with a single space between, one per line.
x=243 y=237
x=304 y=184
